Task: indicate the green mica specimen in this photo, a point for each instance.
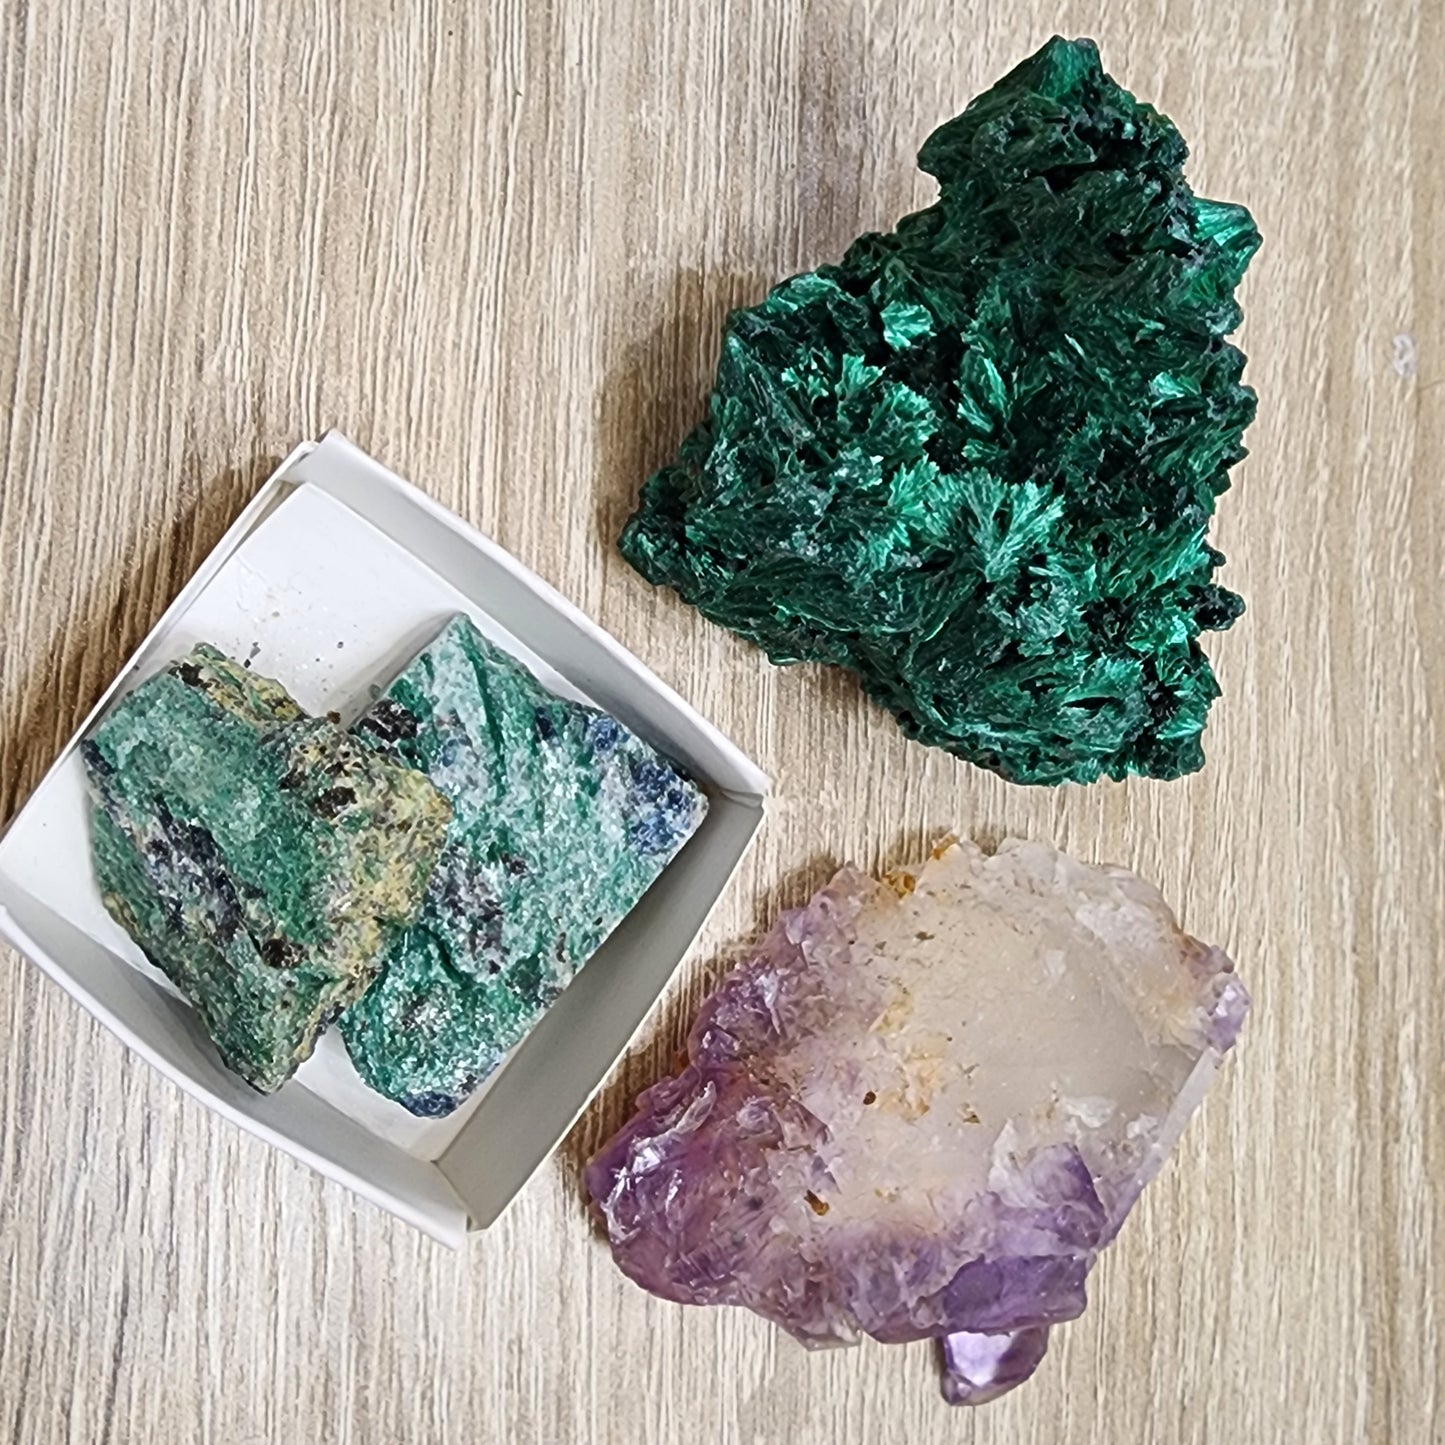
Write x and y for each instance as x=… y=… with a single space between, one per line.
x=258 y=856
x=975 y=462
x=562 y=818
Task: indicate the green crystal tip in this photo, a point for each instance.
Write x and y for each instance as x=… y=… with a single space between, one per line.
x=259 y=857
x=975 y=461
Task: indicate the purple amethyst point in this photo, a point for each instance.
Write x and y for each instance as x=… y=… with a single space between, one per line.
x=980 y=1368
x=922 y=1108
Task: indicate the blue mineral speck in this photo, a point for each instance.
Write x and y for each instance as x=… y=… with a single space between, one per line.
x=663 y=809
x=430 y=1106
x=604 y=733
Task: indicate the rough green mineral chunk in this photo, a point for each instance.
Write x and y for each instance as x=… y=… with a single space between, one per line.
x=975 y=461
x=259 y=857
x=562 y=818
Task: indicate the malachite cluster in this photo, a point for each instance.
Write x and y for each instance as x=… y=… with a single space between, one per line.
x=258 y=856
x=562 y=818
x=975 y=462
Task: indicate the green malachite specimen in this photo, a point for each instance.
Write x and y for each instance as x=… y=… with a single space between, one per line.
x=975 y=461
x=562 y=819
x=258 y=856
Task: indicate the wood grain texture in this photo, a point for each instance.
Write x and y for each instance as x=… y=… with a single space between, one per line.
x=494 y=242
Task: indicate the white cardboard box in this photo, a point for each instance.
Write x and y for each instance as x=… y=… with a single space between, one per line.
x=332 y=577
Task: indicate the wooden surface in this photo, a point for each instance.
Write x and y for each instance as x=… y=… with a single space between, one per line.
x=494 y=243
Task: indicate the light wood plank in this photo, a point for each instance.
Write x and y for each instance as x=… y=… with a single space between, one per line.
x=495 y=243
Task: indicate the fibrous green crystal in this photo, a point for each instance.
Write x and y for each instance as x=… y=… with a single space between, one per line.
x=259 y=857
x=975 y=461
x=562 y=819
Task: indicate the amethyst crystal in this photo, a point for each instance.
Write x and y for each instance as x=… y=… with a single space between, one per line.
x=980 y=1368
x=924 y=1106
